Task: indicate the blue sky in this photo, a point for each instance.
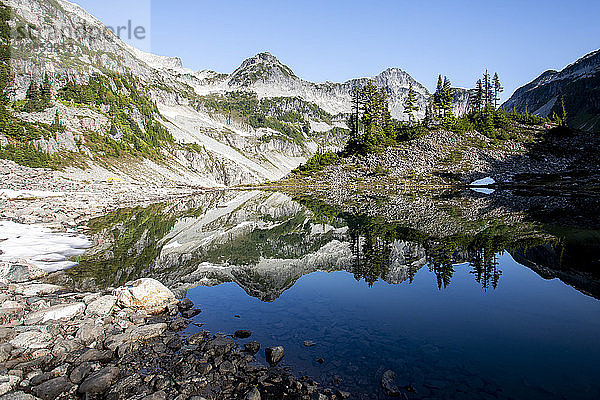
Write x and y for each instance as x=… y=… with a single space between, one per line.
x=342 y=39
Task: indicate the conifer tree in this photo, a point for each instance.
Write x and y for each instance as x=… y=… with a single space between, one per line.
x=410 y=103
x=113 y=130
x=5 y=66
x=376 y=121
x=564 y=112
x=354 y=120
x=447 y=101
x=429 y=113
x=477 y=96
x=487 y=90
x=497 y=90
x=46 y=91
x=562 y=119
x=437 y=97
x=33 y=98
x=56 y=125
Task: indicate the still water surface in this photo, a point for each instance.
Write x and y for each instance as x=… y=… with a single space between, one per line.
x=529 y=338
x=461 y=298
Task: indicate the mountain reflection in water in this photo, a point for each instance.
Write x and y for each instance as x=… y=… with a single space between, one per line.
x=266 y=241
x=450 y=291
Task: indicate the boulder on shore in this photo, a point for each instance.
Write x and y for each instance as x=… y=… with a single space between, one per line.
x=145 y=294
x=274 y=354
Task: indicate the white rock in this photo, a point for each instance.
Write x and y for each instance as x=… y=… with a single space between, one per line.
x=32 y=340
x=11 y=304
x=102 y=306
x=146 y=294
x=37 y=289
x=8 y=383
x=91 y=297
x=58 y=312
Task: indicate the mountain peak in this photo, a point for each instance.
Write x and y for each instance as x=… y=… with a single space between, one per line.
x=261 y=67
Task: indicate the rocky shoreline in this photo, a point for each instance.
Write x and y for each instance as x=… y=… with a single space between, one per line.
x=129 y=343
x=125 y=343
x=64 y=200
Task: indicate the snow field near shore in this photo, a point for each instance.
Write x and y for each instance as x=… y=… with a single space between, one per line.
x=40 y=246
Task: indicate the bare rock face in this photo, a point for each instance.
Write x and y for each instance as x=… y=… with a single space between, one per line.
x=145 y=294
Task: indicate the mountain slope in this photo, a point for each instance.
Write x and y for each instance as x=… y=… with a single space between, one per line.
x=177 y=125
x=578 y=84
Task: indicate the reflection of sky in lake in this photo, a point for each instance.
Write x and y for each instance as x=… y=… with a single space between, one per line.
x=529 y=338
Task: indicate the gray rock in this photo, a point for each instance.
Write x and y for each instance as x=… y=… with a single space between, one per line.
x=41 y=378
x=53 y=388
x=226 y=367
x=37 y=289
x=21 y=272
x=253 y=394
x=114 y=341
x=203 y=368
x=5 y=349
x=252 y=347
x=32 y=340
x=274 y=354
x=102 y=306
x=191 y=313
x=219 y=346
x=185 y=304
x=146 y=332
x=7 y=334
x=94 y=355
x=17 y=396
x=98 y=382
x=387 y=383
x=90 y=332
x=160 y=395
x=80 y=372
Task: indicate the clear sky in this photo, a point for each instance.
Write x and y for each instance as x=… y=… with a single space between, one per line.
x=337 y=40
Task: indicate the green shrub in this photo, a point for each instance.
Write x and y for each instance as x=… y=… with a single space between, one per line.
x=318 y=162
x=405 y=132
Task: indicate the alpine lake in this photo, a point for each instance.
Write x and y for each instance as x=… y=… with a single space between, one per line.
x=463 y=295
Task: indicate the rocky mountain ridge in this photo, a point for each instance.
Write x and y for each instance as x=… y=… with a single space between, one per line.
x=280 y=119
x=578 y=85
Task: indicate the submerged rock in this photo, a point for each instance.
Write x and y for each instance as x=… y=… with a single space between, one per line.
x=387 y=383
x=243 y=333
